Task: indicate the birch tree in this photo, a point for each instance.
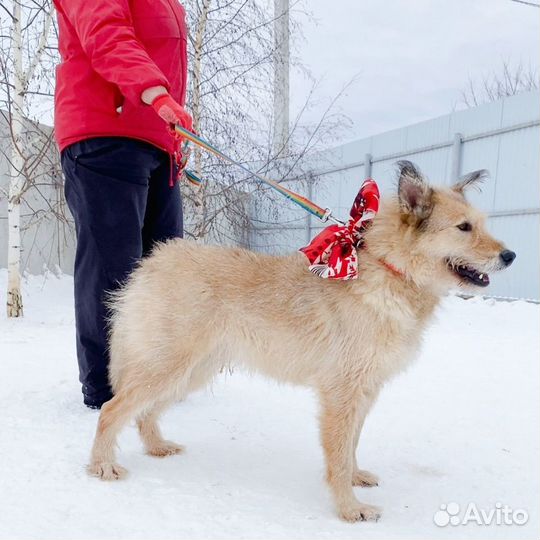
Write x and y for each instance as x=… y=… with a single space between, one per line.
x=232 y=48
x=26 y=44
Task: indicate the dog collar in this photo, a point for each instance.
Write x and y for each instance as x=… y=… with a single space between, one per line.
x=391 y=268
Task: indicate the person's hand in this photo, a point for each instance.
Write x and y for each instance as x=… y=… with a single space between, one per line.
x=172 y=112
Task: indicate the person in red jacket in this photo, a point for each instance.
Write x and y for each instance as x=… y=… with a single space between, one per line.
x=119 y=88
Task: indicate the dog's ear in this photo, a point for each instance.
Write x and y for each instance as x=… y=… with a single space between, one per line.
x=415 y=195
x=473 y=179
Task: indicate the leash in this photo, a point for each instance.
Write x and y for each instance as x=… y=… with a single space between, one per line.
x=332 y=254
x=324 y=214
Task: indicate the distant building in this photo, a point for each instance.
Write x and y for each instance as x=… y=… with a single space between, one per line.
x=47 y=239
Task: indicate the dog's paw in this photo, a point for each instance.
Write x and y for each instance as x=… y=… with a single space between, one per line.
x=106 y=471
x=364 y=479
x=360 y=512
x=164 y=449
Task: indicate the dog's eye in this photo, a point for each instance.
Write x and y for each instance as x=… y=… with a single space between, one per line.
x=465 y=226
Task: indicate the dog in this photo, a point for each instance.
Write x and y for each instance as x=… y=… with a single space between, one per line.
x=190 y=309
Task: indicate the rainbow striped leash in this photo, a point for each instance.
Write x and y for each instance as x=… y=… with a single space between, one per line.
x=324 y=214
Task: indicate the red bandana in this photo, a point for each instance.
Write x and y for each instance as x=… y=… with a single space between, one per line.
x=332 y=253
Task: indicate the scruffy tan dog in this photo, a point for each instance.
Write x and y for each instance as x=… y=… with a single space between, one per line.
x=189 y=309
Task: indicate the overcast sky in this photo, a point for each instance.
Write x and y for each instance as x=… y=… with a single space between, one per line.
x=414 y=56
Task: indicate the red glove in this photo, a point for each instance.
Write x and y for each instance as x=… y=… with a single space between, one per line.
x=172 y=112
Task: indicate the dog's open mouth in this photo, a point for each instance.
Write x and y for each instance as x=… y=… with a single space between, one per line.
x=468 y=274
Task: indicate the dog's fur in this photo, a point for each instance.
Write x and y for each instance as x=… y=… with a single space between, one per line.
x=190 y=309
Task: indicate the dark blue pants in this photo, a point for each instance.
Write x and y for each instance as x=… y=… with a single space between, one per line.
x=119 y=194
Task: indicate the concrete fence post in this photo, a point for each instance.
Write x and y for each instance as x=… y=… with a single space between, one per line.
x=367 y=165
x=455 y=166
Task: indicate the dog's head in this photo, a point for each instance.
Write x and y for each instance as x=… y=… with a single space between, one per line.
x=444 y=235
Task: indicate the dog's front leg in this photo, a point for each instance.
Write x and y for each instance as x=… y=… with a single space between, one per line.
x=339 y=418
x=359 y=476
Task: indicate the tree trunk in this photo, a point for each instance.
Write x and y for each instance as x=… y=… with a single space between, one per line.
x=199 y=198
x=281 y=78
x=16 y=182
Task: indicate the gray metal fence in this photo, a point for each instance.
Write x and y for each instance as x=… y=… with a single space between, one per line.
x=503 y=137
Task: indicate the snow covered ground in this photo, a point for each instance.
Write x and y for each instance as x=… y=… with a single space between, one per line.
x=461 y=426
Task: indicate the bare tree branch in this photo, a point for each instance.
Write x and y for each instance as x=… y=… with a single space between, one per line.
x=509 y=80
x=526 y=3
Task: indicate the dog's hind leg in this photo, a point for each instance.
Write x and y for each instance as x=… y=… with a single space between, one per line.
x=151 y=436
x=203 y=368
x=339 y=418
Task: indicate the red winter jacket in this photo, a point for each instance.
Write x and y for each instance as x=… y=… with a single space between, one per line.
x=113 y=50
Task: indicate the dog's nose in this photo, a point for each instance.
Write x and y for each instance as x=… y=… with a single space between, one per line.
x=507 y=256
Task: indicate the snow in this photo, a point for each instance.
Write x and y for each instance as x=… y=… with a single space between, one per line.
x=461 y=425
